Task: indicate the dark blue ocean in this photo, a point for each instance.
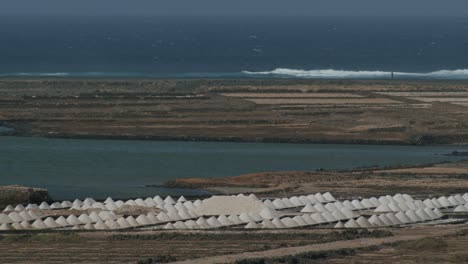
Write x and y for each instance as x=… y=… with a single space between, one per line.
x=307 y=47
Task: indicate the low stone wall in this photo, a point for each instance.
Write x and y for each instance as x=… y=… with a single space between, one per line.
x=21 y=195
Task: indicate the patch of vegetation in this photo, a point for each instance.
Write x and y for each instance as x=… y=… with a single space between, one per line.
x=158 y=259
x=46 y=237
x=322 y=238
x=307 y=257
x=427 y=243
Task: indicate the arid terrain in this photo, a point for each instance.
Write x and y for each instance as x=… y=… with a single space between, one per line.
x=377 y=112
x=380 y=112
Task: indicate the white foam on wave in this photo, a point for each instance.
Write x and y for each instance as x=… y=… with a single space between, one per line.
x=342 y=74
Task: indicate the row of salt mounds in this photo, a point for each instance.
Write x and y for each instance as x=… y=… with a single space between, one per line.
x=300 y=201
x=110 y=204
x=397 y=204
x=325 y=217
x=209 y=223
x=393 y=219
x=353 y=205
x=231 y=205
x=15 y=217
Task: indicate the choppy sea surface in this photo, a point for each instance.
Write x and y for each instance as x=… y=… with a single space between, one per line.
x=74 y=168
x=217 y=47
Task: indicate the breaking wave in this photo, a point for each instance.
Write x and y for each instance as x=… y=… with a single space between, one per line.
x=341 y=74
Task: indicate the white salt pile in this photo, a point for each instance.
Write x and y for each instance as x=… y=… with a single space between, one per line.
x=229 y=205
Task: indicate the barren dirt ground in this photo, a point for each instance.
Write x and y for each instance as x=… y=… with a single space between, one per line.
x=340 y=111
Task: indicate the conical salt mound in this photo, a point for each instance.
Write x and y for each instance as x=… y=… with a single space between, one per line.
x=395 y=221
x=181 y=199
x=319 y=218
x=89 y=201
x=158 y=200
x=460 y=209
x=287 y=203
x=25 y=216
x=73 y=220
x=312 y=199
x=50 y=223
x=394 y=207
x=44 y=206
x=367 y=203
x=339 y=225
x=453 y=201
x=304 y=200
x=351 y=224
x=278 y=203
x=9 y=208
x=123 y=223
x=429 y=203
x=403 y=206
x=149 y=202
x=339 y=205
x=438 y=212
x=66 y=204
x=89 y=226
x=26 y=225
x=95 y=217
x=6 y=227
x=246 y=218
x=152 y=218
x=320 y=198
x=4 y=219
x=436 y=203
x=422 y=215
x=85 y=219
x=190 y=224
x=374 y=220
x=384 y=219
x=38 y=224
x=15 y=217
x=349 y=205
x=131 y=203
x=202 y=223
x=319 y=207
x=308 y=209
x=169 y=226
x=213 y=222
x=329 y=197
x=289 y=222
x=255 y=216
x=363 y=222
x=32 y=207
x=108 y=200
x=300 y=221
x=374 y=201
x=357 y=205
x=143 y=220
x=235 y=219
x=225 y=221
x=100 y=225
x=331 y=207
x=56 y=205
x=278 y=223
x=184 y=214
x=112 y=224
x=169 y=200
x=267 y=224
x=19 y=208
x=430 y=213
x=403 y=218
x=131 y=220
x=180 y=206
x=17 y=226
x=252 y=225
x=339 y=215
x=269 y=204
x=140 y=202
x=347 y=212
x=329 y=217
x=295 y=201
x=444 y=202
x=163 y=217
x=61 y=221
x=308 y=219
x=412 y=215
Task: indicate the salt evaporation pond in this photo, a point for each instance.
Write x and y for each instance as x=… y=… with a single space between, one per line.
x=72 y=168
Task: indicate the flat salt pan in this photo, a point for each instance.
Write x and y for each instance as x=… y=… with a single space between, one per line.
x=229 y=205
